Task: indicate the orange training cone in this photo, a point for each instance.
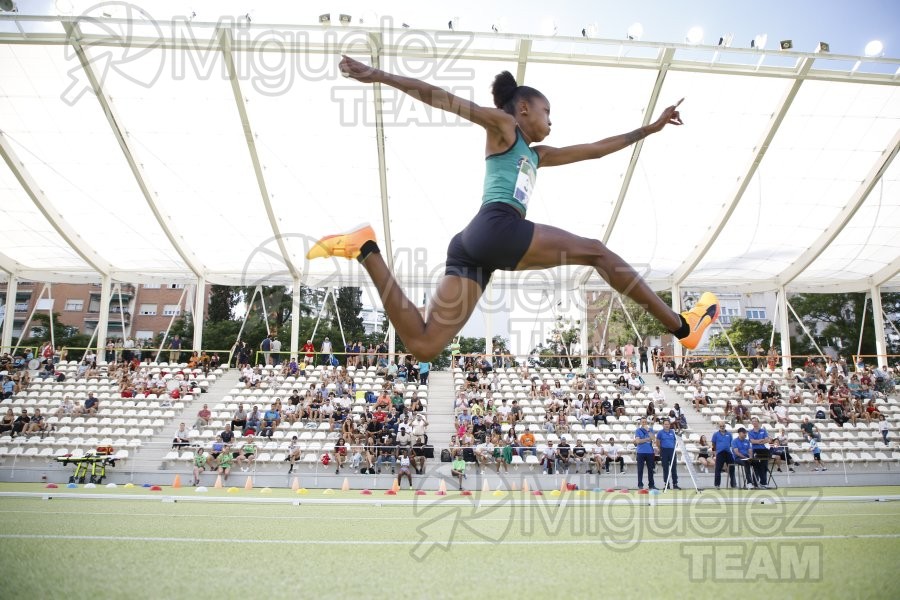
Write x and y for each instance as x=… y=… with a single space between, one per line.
x=563 y=486
x=442 y=488
x=345 y=487
x=248 y=485
x=176 y=483
x=485 y=488
x=513 y=487
x=395 y=487
x=295 y=484
x=218 y=482
x=525 y=487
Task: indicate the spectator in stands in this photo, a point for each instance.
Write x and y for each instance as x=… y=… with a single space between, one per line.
x=458 y=469
x=817 y=454
x=203 y=416
x=740 y=449
x=37 y=424
x=247 y=453
x=6 y=423
x=92 y=404
x=225 y=461
x=254 y=418
x=326 y=352
x=21 y=422
x=66 y=408
x=643 y=441
x=781 y=414
x=182 y=437
x=228 y=434
x=526 y=443
x=564 y=456
x=200 y=461
x=780 y=453
x=884 y=427
x=704 y=461
x=836 y=412
x=175 y=349
x=548 y=458
x=8 y=388
x=722 y=442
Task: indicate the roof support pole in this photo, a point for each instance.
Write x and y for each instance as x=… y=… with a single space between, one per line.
x=878 y=317
x=376 y=43
x=805 y=330
x=862 y=330
x=199 y=310
x=677 y=350
x=9 y=317
x=103 y=322
x=584 y=340
x=783 y=328
x=488 y=312
x=295 y=317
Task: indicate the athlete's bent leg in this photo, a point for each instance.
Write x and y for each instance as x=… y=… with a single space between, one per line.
x=450 y=309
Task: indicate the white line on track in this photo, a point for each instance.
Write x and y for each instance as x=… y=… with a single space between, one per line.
x=594 y=541
x=424 y=517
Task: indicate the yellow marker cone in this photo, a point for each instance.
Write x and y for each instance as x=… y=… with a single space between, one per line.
x=345 y=487
x=218 y=482
x=176 y=483
x=295 y=484
x=248 y=485
x=265 y=490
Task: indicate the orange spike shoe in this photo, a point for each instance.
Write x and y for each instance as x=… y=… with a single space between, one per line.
x=704 y=314
x=344 y=245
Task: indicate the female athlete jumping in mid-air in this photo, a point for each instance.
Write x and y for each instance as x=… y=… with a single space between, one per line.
x=499 y=237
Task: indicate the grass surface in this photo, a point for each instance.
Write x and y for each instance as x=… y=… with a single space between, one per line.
x=230 y=545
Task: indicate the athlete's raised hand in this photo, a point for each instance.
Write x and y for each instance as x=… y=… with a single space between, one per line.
x=359 y=71
x=670 y=116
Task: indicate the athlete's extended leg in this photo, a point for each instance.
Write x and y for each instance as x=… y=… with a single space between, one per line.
x=451 y=307
x=552 y=247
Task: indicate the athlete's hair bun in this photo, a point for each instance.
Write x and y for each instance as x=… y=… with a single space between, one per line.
x=503 y=88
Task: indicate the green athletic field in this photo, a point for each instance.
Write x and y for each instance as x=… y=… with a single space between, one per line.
x=807 y=543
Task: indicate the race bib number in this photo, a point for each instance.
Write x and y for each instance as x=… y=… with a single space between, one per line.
x=525 y=181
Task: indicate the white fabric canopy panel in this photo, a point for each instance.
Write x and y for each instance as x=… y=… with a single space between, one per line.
x=178 y=171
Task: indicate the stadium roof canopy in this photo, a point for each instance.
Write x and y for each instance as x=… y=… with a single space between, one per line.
x=152 y=151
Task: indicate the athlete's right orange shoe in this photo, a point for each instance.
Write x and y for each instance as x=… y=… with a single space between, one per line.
x=344 y=245
x=704 y=314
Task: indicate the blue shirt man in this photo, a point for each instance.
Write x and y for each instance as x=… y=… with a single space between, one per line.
x=759 y=437
x=666 y=437
x=643 y=441
x=740 y=446
x=666 y=440
x=721 y=440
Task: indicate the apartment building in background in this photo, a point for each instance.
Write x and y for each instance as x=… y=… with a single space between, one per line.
x=141 y=311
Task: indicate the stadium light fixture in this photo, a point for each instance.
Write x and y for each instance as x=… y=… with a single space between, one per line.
x=8 y=6
x=635 y=31
x=453 y=24
x=325 y=19
x=345 y=19
x=874 y=49
x=694 y=36
x=725 y=40
x=823 y=48
x=759 y=42
x=589 y=31
x=786 y=44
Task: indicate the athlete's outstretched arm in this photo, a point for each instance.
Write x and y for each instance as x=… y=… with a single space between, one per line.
x=489 y=118
x=551 y=157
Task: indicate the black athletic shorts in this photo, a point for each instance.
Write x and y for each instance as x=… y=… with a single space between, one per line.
x=496 y=239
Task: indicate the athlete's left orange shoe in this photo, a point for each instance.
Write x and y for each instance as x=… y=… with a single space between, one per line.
x=704 y=314
x=344 y=245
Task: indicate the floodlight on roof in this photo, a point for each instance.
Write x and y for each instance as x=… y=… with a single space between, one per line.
x=786 y=44
x=345 y=19
x=694 y=36
x=589 y=31
x=453 y=24
x=8 y=6
x=726 y=40
x=548 y=26
x=874 y=49
x=635 y=31
x=822 y=48
x=759 y=42
x=325 y=19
